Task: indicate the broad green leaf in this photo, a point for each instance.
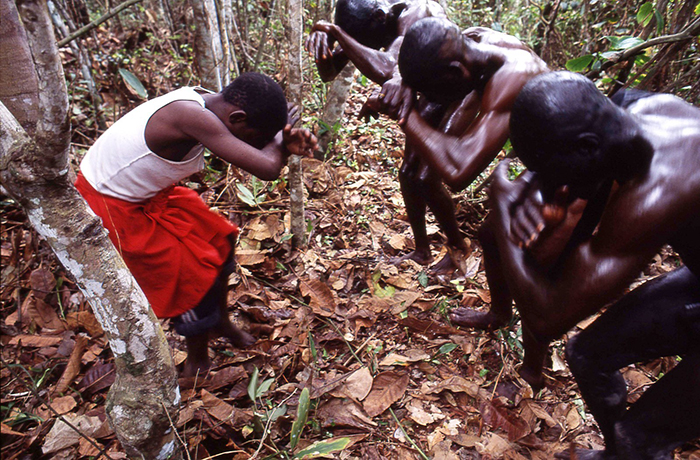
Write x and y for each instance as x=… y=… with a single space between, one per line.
x=579 y=64
x=645 y=13
x=253 y=384
x=628 y=43
x=302 y=415
x=246 y=195
x=321 y=448
x=262 y=389
x=278 y=412
x=134 y=83
x=660 y=22
x=697 y=8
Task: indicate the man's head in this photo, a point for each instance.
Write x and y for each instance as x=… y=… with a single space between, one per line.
x=432 y=60
x=370 y=22
x=564 y=129
x=263 y=108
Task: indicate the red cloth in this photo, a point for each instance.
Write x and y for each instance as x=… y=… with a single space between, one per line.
x=174 y=245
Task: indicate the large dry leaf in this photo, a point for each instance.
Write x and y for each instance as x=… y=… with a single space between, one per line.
x=456 y=384
x=408 y=356
x=320 y=295
x=388 y=387
x=85 y=320
x=248 y=257
x=42 y=282
x=429 y=328
x=257 y=230
x=35 y=340
x=62 y=436
x=97 y=378
x=73 y=368
x=225 y=377
x=45 y=316
x=357 y=386
x=343 y=413
x=495 y=414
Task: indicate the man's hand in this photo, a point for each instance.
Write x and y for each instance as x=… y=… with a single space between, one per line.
x=299 y=141
x=318 y=44
x=505 y=195
x=371 y=108
x=397 y=99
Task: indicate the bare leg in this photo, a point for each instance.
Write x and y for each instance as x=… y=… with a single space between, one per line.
x=501 y=311
x=414 y=201
x=238 y=337
x=647 y=323
x=536 y=352
x=198 y=362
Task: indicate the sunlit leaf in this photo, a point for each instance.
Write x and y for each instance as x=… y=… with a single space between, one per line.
x=302 y=415
x=262 y=389
x=253 y=384
x=134 y=83
x=321 y=448
x=246 y=195
x=628 y=43
x=579 y=64
x=448 y=347
x=645 y=13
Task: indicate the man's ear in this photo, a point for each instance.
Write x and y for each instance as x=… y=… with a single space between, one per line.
x=396 y=10
x=457 y=71
x=237 y=116
x=379 y=15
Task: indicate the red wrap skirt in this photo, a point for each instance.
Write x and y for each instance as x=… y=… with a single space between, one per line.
x=173 y=244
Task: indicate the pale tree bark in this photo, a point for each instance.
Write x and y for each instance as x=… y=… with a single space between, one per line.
x=296 y=184
x=334 y=107
x=34 y=170
x=209 y=47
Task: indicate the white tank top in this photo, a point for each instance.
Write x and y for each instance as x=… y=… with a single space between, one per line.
x=121 y=165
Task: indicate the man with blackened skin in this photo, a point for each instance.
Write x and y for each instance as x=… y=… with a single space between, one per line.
x=475 y=75
x=578 y=142
x=369 y=34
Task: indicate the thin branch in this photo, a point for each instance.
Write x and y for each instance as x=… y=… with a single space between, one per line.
x=112 y=12
x=690 y=31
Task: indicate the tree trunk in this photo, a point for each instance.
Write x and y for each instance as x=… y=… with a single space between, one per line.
x=34 y=170
x=334 y=108
x=296 y=184
x=208 y=48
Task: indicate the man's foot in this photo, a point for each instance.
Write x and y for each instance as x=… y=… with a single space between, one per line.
x=584 y=454
x=474 y=319
x=237 y=336
x=444 y=266
x=419 y=257
x=535 y=379
x=196 y=368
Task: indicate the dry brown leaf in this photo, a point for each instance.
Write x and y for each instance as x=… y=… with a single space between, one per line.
x=343 y=413
x=357 y=386
x=224 y=377
x=248 y=257
x=257 y=230
x=5 y=429
x=42 y=282
x=62 y=436
x=443 y=451
x=493 y=445
x=35 y=340
x=73 y=367
x=45 y=316
x=388 y=387
x=320 y=295
x=457 y=384
x=85 y=320
x=495 y=414
x=408 y=356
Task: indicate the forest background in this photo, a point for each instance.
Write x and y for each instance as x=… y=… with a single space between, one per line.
x=386 y=375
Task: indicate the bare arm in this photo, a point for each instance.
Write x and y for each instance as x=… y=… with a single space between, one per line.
x=266 y=163
x=595 y=273
x=459 y=159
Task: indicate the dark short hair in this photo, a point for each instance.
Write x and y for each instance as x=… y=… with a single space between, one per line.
x=358 y=19
x=550 y=113
x=262 y=99
x=420 y=60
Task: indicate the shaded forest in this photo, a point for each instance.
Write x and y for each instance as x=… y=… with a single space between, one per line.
x=356 y=357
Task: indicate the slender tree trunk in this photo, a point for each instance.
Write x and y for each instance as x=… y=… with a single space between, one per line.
x=296 y=184
x=208 y=47
x=34 y=170
x=335 y=107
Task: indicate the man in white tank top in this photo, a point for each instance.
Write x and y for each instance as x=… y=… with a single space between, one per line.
x=179 y=251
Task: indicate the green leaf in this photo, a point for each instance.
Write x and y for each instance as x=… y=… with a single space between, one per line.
x=697 y=8
x=448 y=347
x=262 y=389
x=302 y=415
x=660 y=21
x=278 y=412
x=253 y=384
x=312 y=346
x=246 y=195
x=628 y=43
x=645 y=13
x=423 y=279
x=134 y=83
x=579 y=64
x=321 y=448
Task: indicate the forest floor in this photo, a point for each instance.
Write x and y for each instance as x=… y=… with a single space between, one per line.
x=371 y=341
